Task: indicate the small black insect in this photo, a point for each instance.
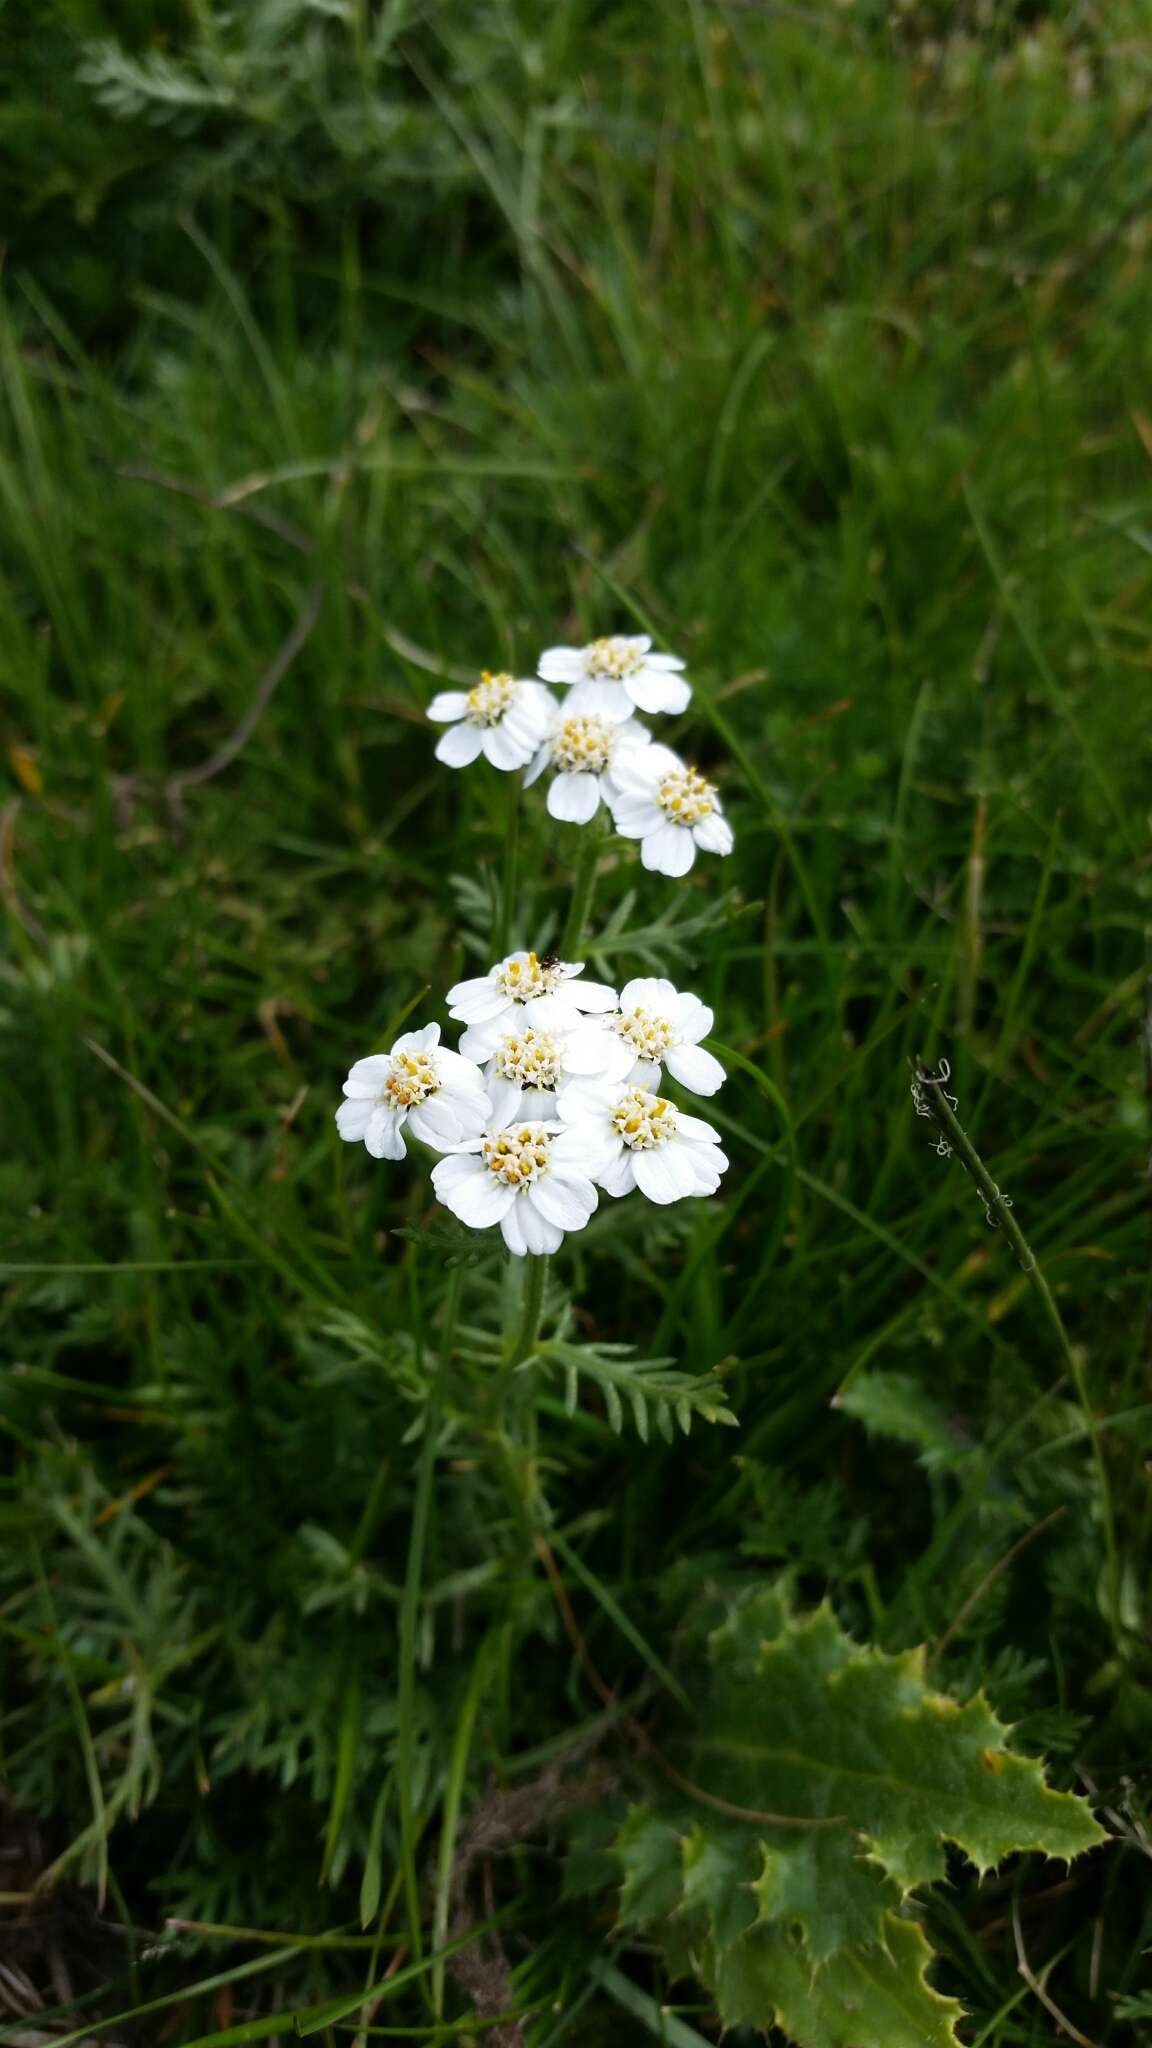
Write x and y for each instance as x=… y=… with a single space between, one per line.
x=548 y=960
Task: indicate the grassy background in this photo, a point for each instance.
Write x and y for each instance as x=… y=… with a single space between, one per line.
x=818 y=339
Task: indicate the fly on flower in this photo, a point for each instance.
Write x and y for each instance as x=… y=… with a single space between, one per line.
x=581 y=747
x=502 y=718
x=668 y=807
x=438 y=1094
x=611 y=677
x=638 y=1139
x=532 y=1178
x=524 y=989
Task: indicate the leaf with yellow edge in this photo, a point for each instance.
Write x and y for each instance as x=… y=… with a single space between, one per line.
x=806 y=1926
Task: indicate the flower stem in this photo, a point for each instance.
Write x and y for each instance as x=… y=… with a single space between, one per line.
x=410 y=1609
x=535 y=1281
x=516 y=1423
x=1000 y=1211
x=507 y=913
x=583 y=890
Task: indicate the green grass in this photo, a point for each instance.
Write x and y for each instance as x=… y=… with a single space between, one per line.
x=818 y=340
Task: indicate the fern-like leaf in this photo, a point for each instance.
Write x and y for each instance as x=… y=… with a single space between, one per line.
x=652 y=1390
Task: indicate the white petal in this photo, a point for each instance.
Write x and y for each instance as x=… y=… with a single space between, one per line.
x=599 y=697
x=418 y=1041
x=670 y=850
x=654 y=692
x=538 y=1106
x=695 y=1068
x=448 y=706
x=566 y=1203
x=664 y=1175
x=648 y=765
x=535 y=707
x=504 y=749
x=540 y=1235
x=714 y=834
x=632 y=734
x=482 y=1039
x=600 y=1053
x=561 y=664
x=536 y=767
x=584 y=1101
x=368 y=1076
x=617 y=1177
x=435 y=1124
x=457 y=1167
x=692 y=1020
x=592 y=995
x=670 y=663
x=708 y=1162
x=575 y=798
x=478 y=1198
x=647 y=992
x=384 y=1136
x=694 y=1129
x=471 y=1002
x=512 y=1230
x=459 y=745
x=636 y=817
x=352 y=1119
x=457 y=1075
x=504 y=1096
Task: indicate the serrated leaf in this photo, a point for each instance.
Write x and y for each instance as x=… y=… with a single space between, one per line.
x=800 y=1922
x=862 y=1997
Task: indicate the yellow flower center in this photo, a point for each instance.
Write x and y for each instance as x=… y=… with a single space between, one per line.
x=488 y=702
x=613 y=659
x=518 y=1155
x=685 y=797
x=583 y=746
x=524 y=979
x=651 y=1035
x=644 y=1121
x=531 y=1057
x=411 y=1077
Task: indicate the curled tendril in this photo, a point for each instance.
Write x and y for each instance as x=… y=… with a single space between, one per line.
x=990 y=1215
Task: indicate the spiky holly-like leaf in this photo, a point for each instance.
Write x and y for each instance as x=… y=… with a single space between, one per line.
x=806 y=1925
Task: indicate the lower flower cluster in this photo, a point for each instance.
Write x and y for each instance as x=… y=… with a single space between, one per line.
x=552 y=1098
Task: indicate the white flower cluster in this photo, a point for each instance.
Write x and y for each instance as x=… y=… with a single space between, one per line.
x=597 y=749
x=553 y=1096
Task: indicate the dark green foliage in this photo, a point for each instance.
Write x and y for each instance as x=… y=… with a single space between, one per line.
x=410 y=339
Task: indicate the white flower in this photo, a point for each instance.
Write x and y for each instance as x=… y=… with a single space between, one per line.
x=523 y=990
x=582 y=747
x=439 y=1095
x=638 y=1139
x=663 y=1028
x=531 y=1178
x=668 y=807
x=530 y=1063
x=503 y=719
x=610 y=676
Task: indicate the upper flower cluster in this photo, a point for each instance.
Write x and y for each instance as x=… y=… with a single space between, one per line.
x=596 y=747
x=553 y=1097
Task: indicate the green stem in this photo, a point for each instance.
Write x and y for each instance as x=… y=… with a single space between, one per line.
x=535 y=1281
x=516 y=1402
x=410 y=1611
x=583 y=889
x=507 y=912
x=1000 y=1210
